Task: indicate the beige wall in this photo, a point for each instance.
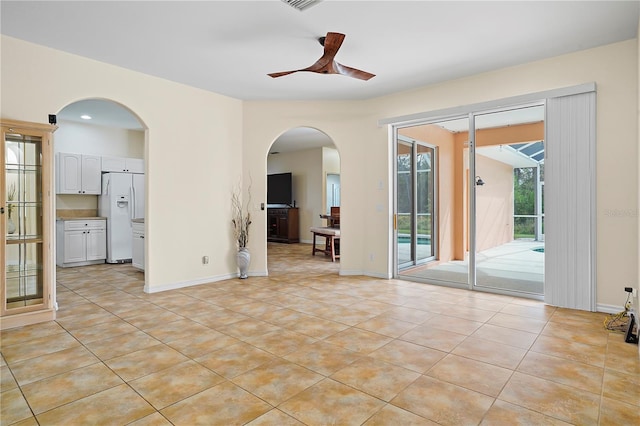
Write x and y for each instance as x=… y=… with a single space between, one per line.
x=198 y=143
x=354 y=132
x=306 y=168
x=365 y=151
x=193 y=151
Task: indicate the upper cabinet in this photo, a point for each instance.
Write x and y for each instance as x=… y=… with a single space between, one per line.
x=121 y=164
x=78 y=174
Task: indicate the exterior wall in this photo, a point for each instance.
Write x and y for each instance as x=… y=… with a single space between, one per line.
x=193 y=152
x=494 y=203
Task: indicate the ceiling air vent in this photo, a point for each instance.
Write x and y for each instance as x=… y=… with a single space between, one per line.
x=301 y=4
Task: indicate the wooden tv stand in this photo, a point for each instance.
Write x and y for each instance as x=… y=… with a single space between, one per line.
x=282 y=223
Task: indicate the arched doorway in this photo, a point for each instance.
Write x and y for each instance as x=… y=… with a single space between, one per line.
x=307 y=161
x=99 y=150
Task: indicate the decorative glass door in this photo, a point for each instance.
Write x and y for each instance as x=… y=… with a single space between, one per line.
x=25 y=228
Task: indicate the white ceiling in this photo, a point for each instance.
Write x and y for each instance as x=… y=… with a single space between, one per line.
x=228 y=47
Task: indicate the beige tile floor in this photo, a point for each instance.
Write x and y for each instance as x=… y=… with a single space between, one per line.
x=306 y=346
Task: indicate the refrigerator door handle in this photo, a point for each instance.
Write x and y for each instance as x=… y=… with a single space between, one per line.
x=131 y=201
x=106 y=183
x=134 y=204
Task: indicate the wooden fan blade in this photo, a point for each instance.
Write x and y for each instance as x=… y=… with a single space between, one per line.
x=280 y=74
x=326 y=64
x=352 y=72
x=332 y=43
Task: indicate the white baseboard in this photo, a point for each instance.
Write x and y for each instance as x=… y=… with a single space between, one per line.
x=609 y=309
x=183 y=284
x=347 y=273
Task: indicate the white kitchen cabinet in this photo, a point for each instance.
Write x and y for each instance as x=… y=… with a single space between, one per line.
x=138 y=245
x=81 y=242
x=122 y=164
x=78 y=174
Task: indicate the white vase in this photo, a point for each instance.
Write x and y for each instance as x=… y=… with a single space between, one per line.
x=11 y=227
x=243 y=258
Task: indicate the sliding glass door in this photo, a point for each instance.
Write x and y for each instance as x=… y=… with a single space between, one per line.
x=469 y=201
x=430 y=227
x=509 y=160
x=415 y=218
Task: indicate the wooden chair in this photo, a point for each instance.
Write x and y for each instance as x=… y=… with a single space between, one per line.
x=335 y=217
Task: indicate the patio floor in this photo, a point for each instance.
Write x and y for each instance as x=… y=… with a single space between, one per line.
x=514 y=266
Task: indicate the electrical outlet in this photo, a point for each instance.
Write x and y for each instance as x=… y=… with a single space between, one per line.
x=205 y=260
x=634 y=292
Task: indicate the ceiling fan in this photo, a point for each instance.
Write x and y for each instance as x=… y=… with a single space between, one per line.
x=326 y=64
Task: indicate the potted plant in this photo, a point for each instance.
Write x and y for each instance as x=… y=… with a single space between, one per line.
x=241 y=219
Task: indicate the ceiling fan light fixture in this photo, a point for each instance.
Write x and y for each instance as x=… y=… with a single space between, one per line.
x=301 y=4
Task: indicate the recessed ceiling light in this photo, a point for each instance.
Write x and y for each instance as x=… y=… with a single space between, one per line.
x=85 y=117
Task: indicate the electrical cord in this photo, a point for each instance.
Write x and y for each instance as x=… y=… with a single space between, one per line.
x=620 y=321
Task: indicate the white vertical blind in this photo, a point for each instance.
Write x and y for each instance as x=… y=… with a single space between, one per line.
x=570 y=202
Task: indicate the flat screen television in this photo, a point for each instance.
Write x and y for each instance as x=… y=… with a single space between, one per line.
x=280 y=189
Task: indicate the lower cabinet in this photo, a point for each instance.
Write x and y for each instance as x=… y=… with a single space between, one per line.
x=138 y=246
x=81 y=242
x=283 y=225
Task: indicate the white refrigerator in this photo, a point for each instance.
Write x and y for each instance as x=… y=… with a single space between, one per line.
x=121 y=201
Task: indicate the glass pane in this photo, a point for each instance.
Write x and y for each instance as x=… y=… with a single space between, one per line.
x=425 y=202
x=32 y=151
x=30 y=224
x=509 y=153
x=524 y=190
x=24 y=274
x=404 y=191
x=437 y=225
x=23 y=249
